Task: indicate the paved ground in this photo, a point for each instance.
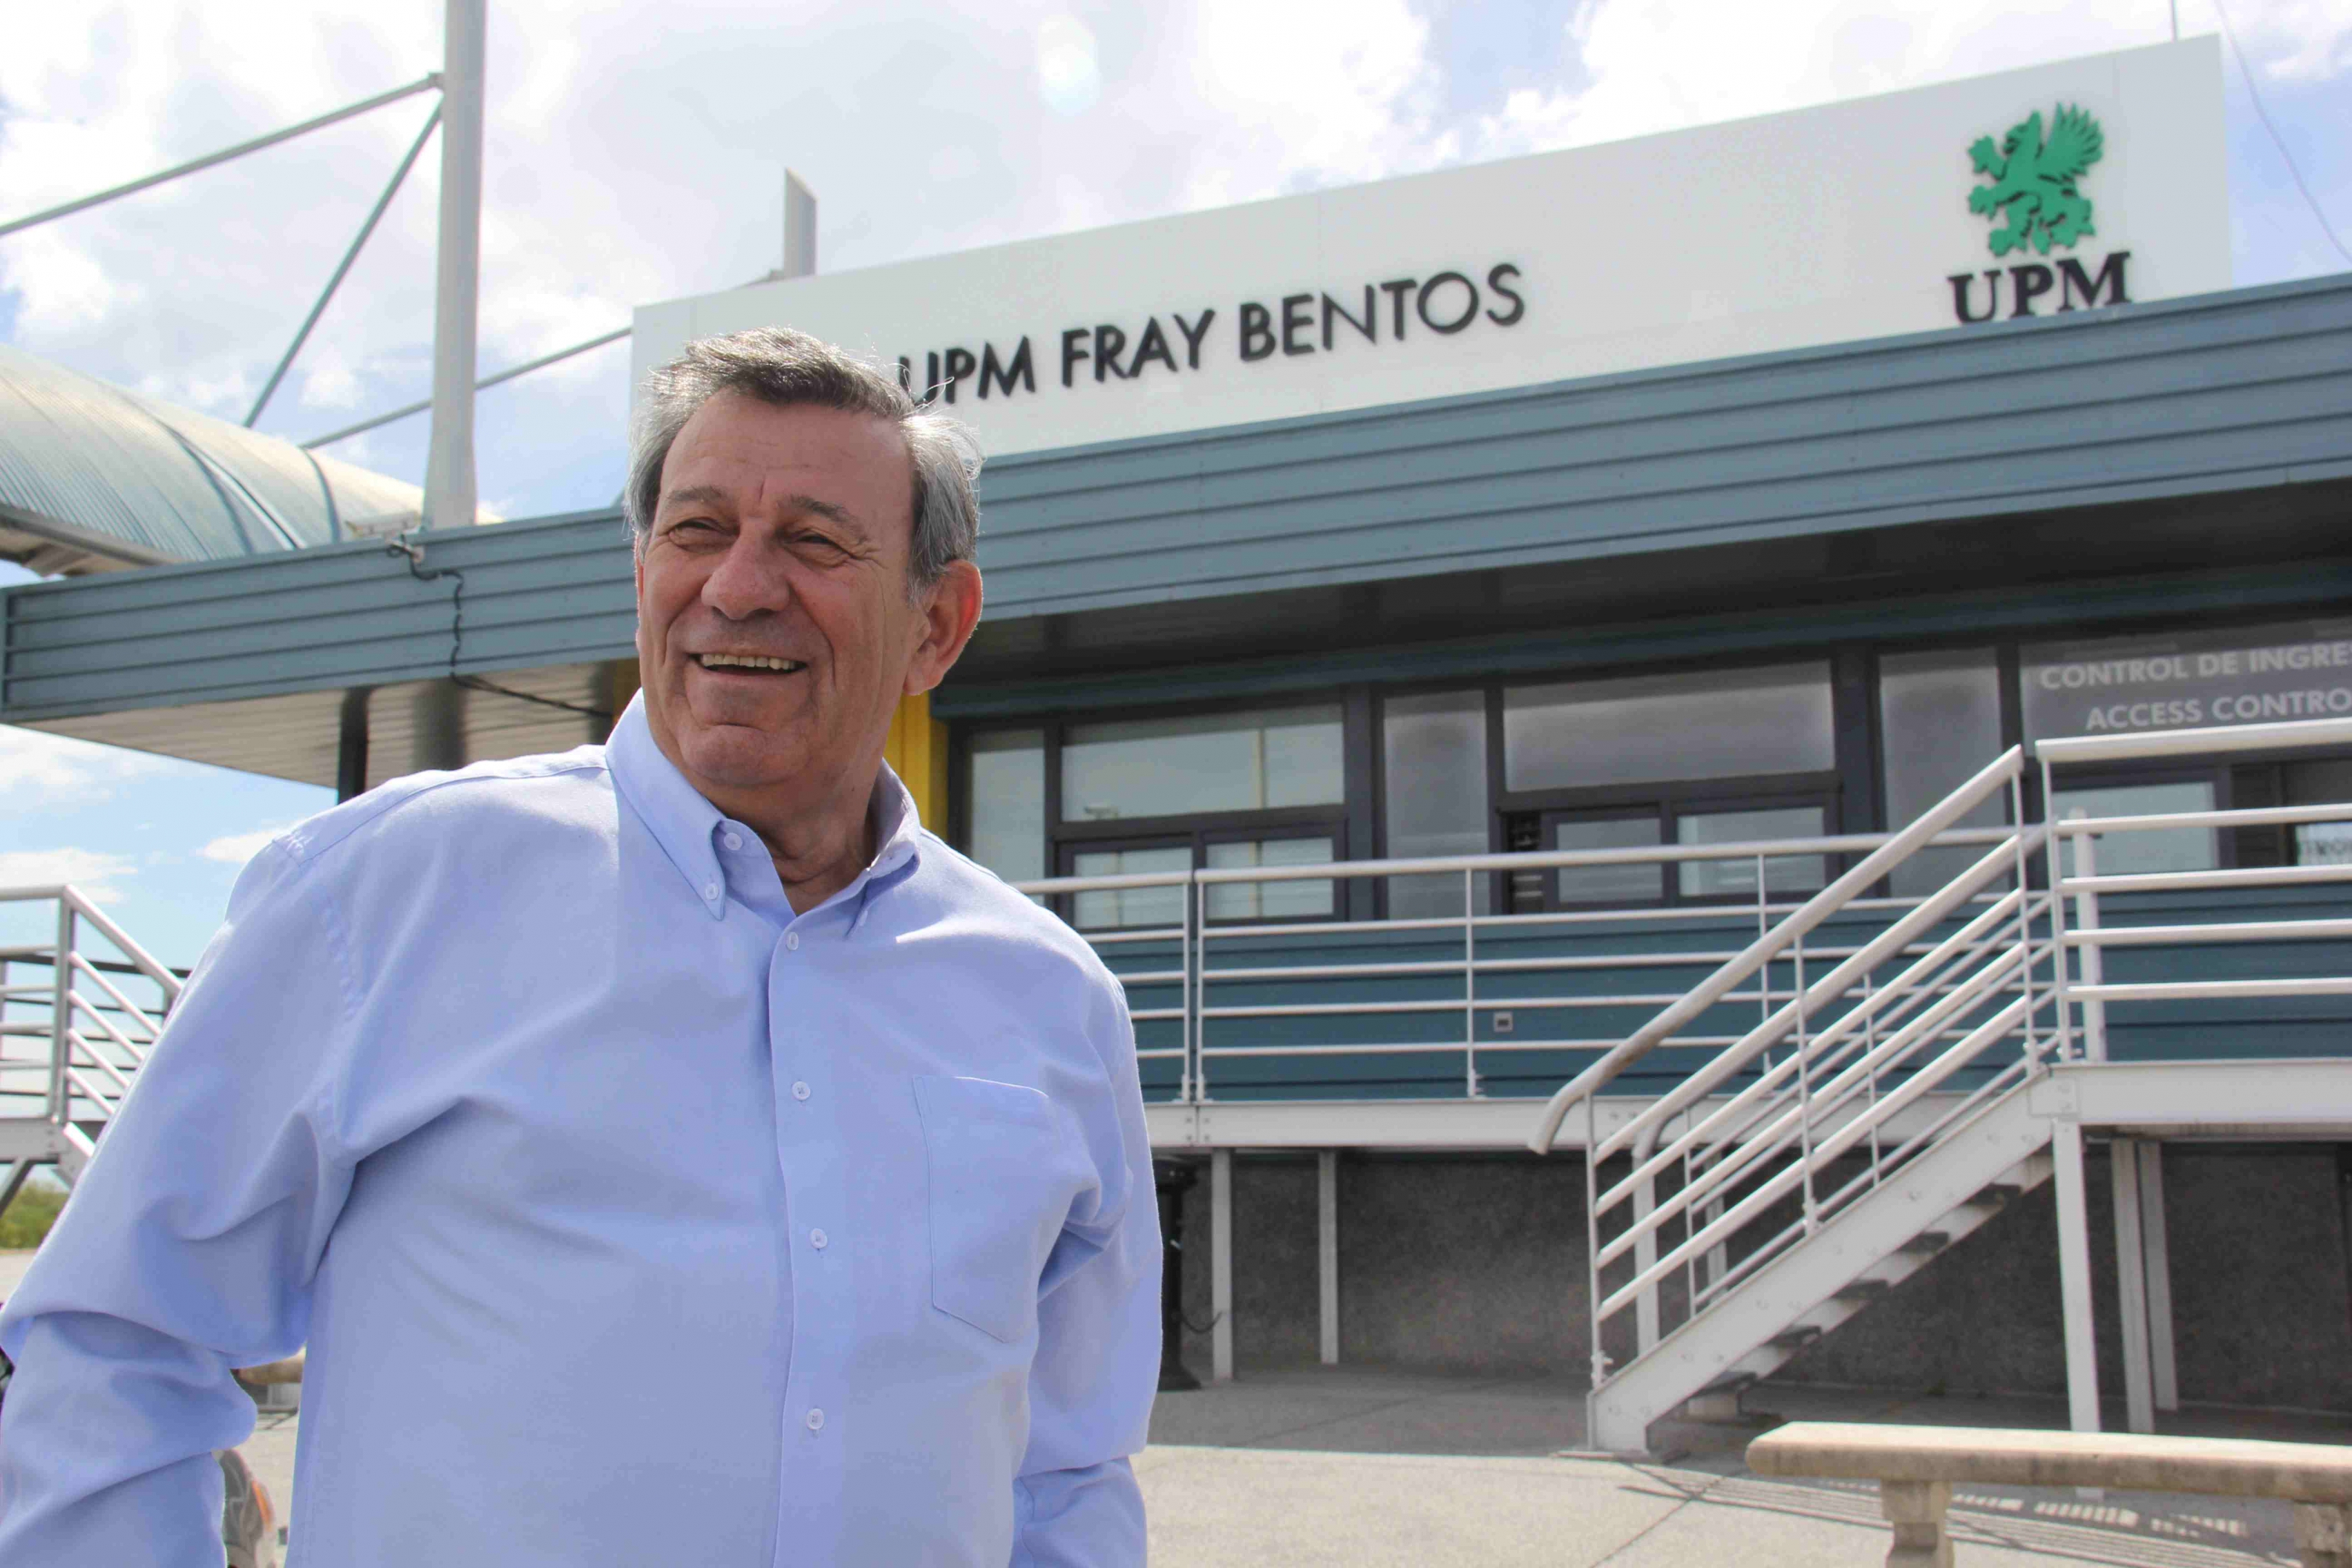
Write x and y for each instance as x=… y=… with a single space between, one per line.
x=1360 y=1466
x=1368 y=1469
x=1363 y=1468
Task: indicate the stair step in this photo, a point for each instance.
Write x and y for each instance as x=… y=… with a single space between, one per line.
x=1998 y=1195
x=1862 y=1290
x=1791 y=1341
x=1927 y=1241
x=1730 y=1384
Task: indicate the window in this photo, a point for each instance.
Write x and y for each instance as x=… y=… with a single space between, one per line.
x=1660 y=728
x=2244 y=675
x=1690 y=759
x=1627 y=882
x=1239 y=789
x=2322 y=782
x=1161 y=906
x=1433 y=755
x=2159 y=849
x=1203 y=764
x=1939 y=724
x=1300 y=899
x=1737 y=878
x=1004 y=792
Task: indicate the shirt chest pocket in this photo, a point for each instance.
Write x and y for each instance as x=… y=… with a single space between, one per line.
x=1000 y=1183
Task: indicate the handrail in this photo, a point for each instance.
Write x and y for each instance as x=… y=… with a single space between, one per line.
x=1515 y=860
x=153 y=967
x=1867 y=957
x=1819 y=908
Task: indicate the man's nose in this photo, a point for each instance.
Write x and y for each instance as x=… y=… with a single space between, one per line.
x=748 y=580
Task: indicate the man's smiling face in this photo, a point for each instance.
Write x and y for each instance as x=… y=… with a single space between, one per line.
x=775 y=632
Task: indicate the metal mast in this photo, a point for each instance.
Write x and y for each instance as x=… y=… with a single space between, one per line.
x=449 y=488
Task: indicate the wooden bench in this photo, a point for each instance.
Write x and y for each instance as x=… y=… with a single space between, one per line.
x=1916 y=1466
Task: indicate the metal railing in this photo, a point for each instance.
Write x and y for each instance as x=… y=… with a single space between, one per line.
x=1204 y=975
x=1757 y=1155
x=2091 y=939
x=78 y=1018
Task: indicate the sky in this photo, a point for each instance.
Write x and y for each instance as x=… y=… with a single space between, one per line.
x=635 y=151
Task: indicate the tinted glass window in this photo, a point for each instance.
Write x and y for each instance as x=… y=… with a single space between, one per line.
x=1004 y=785
x=1206 y=763
x=1434 y=749
x=1161 y=906
x=1626 y=883
x=1737 y=878
x=2159 y=849
x=1939 y=719
x=1268 y=900
x=2325 y=783
x=1657 y=729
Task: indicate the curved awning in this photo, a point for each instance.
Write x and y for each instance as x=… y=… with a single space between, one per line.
x=96 y=479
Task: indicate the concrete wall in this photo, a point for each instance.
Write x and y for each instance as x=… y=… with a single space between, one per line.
x=1476 y=1265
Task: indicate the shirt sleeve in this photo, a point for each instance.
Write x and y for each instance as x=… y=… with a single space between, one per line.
x=187 y=1248
x=1097 y=1364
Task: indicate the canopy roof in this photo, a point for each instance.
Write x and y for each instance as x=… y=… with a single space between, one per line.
x=96 y=478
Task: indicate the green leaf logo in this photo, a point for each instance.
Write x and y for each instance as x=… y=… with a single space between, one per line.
x=2034 y=181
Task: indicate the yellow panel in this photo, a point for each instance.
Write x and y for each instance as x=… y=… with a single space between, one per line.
x=917 y=750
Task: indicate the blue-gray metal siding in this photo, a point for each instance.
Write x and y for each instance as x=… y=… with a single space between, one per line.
x=2232 y=392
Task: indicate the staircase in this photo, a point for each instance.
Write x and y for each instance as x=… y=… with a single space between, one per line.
x=1927 y=1079
x=81 y=1005
x=1860 y=1129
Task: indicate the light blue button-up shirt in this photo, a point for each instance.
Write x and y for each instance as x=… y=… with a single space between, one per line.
x=629 y=1218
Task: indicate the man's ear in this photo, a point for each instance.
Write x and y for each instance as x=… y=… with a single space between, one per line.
x=950 y=610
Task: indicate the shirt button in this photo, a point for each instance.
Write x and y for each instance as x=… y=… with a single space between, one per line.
x=800 y=1091
x=816 y=1420
x=732 y=840
x=817 y=1239
x=793 y=940
x=710 y=891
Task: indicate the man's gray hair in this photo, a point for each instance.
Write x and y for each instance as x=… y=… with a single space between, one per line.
x=789 y=369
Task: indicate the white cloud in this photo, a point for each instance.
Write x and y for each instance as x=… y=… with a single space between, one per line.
x=237 y=848
x=38 y=769
x=2297 y=40
x=95 y=872
x=1657 y=65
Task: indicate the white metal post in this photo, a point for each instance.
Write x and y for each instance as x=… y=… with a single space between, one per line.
x=449 y=485
x=2086 y=922
x=1469 y=988
x=2157 y=1250
x=1804 y=1089
x=1645 y=1258
x=1188 y=1087
x=1326 y=1250
x=61 y=1015
x=2074 y=1276
x=2131 y=1287
x=1221 y=1266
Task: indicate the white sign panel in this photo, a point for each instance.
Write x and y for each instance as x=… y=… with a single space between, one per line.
x=2055 y=188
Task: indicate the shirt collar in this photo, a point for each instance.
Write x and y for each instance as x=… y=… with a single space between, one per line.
x=685 y=823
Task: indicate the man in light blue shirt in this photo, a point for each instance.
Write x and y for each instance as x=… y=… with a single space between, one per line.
x=669 y=1152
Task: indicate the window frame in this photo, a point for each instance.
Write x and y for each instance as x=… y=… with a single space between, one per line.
x=1198 y=833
